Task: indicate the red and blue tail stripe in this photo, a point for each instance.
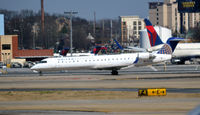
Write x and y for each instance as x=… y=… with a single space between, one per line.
x=155 y=40
x=153 y=36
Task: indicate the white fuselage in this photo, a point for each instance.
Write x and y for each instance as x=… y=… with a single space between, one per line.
x=186 y=50
x=101 y=62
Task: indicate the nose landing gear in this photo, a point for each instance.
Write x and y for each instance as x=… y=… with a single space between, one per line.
x=40 y=73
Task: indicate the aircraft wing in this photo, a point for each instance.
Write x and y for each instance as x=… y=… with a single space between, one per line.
x=110 y=68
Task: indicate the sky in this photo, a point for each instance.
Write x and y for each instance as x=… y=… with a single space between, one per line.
x=104 y=9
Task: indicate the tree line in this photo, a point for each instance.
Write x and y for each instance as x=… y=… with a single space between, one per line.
x=27 y=25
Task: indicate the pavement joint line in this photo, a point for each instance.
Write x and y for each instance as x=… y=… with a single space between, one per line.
x=169 y=90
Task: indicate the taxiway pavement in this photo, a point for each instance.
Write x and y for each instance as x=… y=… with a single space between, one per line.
x=175 y=77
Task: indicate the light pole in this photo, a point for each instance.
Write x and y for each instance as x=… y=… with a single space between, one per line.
x=71 y=15
x=111 y=29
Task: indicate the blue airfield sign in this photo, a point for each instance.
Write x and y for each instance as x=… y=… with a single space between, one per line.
x=188 y=6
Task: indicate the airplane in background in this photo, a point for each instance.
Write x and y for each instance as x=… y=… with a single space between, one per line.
x=109 y=62
x=183 y=51
x=95 y=51
x=155 y=40
x=129 y=48
x=186 y=51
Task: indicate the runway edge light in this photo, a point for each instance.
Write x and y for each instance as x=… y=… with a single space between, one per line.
x=152 y=92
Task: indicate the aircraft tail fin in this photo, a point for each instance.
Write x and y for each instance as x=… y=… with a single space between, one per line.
x=170 y=46
x=173 y=41
x=96 y=50
x=166 y=49
x=154 y=38
x=64 y=51
x=120 y=47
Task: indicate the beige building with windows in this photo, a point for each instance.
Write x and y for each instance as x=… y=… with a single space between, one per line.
x=6 y=49
x=166 y=14
x=130 y=27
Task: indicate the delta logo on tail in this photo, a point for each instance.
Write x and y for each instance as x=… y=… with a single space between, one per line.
x=154 y=39
x=153 y=36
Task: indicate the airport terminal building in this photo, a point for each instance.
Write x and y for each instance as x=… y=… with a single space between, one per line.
x=9 y=51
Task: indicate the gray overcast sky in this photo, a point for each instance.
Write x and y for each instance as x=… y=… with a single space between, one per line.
x=103 y=8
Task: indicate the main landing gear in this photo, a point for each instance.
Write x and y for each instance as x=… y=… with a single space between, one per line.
x=40 y=73
x=114 y=72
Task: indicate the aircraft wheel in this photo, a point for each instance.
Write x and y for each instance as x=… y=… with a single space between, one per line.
x=114 y=72
x=40 y=73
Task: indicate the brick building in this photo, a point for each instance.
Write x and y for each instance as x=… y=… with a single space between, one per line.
x=9 y=51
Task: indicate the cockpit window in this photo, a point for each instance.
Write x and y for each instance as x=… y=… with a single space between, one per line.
x=43 y=61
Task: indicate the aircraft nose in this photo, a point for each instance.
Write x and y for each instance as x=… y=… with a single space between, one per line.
x=34 y=67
